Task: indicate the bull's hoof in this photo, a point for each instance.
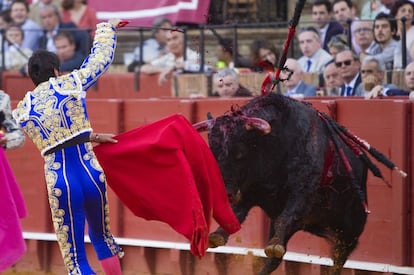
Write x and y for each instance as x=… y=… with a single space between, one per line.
x=275 y=251
x=215 y=240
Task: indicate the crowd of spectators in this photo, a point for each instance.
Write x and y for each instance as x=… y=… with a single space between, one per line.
x=26 y=27
x=351 y=51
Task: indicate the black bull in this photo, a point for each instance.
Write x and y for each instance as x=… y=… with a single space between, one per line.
x=303 y=173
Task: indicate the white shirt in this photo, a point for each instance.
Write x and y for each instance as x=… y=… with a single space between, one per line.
x=169 y=59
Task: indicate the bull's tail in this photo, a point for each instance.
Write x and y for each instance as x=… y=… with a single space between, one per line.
x=359 y=147
x=336 y=138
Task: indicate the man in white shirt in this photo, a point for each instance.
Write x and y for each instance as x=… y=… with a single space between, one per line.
x=314 y=57
x=174 y=59
x=19 y=13
x=153 y=47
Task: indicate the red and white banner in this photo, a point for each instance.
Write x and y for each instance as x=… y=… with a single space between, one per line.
x=142 y=12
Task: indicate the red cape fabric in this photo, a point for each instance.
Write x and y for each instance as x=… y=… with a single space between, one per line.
x=165 y=171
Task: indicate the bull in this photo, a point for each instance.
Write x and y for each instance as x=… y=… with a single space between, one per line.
x=303 y=169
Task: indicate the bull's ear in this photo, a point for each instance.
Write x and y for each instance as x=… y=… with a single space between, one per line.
x=209 y=115
x=257 y=124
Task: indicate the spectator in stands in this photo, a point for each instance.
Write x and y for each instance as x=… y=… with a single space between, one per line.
x=379 y=90
x=174 y=59
x=371 y=8
x=349 y=67
x=372 y=75
x=337 y=44
x=344 y=11
x=404 y=9
x=16 y=56
x=226 y=84
x=364 y=34
x=153 y=47
x=332 y=80
x=345 y=14
x=409 y=76
x=386 y=47
x=294 y=85
x=314 y=56
x=322 y=16
x=19 y=13
x=36 y=7
x=225 y=55
x=69 y=58
x=52 y=25
x=263 y=55
x=78 y=12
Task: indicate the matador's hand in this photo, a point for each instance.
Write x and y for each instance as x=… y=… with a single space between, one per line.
x=102 y=138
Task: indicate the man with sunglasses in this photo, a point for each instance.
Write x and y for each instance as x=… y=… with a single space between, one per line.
x=349 y=65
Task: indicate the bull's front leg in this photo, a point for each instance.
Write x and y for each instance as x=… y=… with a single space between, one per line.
x=220 y=236
x=286 y=224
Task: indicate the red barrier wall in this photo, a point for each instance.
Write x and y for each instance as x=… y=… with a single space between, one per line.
x=142 y=111
x=123 y=86
x=16 y=85
x=384 y=123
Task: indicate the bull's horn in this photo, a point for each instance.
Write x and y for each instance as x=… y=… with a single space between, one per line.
x=258 y=124
x=204 y=125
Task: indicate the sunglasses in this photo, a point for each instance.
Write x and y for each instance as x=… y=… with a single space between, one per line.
x=346 y=63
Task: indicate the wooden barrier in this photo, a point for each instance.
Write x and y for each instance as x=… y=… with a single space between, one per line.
x=126 y=86
x=130 y=85
x=142 y=111
x=312 y=79
x=385 y=124
x=397 y=78
x=252 y=81
x=191 y=85
x=109 y=85
x=16 y=85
